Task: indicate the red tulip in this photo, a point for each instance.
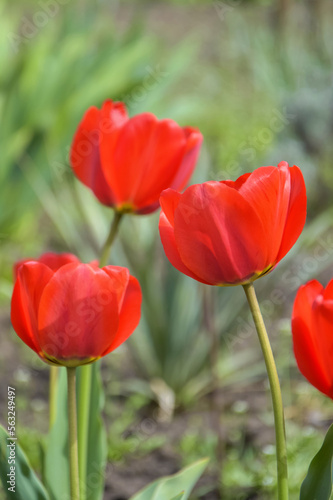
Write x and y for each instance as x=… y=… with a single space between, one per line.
x=127 y=162
x=231 y=233
x=50 y=259
x=76 y=314
x=312 y=328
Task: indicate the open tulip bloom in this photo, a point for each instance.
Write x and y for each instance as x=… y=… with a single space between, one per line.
x=312 y=328
x=231 y=233
x=128 y=162
x=76 y=314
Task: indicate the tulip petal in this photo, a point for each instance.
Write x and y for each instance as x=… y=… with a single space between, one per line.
x=144 y=160
x=323 y=325
x=129 y=305
x=32 y=277
x=113 y=116
x=54 y=260
x=218 y=234
x=305 y=338
x=237 y=184
x=183 y=173
x=169 y=201
x=85 y=156
x=296 y=212
x=78 y=314
x=267 y=189
x=50 y=259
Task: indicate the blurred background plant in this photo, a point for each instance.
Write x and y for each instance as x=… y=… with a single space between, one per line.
x=256 y=78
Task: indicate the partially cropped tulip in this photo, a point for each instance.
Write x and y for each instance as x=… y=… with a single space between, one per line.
x=76 y=314
x=231 y=233
x=128 y=162
x=52 y=260
x=312 y=329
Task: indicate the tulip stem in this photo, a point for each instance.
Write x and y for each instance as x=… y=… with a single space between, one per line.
x=53 y=392
x=110 y=239
x=72 y=434
x=86 y=374
x=84 y=395
x=281 y=448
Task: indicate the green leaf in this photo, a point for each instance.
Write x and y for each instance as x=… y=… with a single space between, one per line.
x=56 y=466
x=167 y=487
x=97 y=442
x=27 y=485
x=181 y=496
x=318 y=483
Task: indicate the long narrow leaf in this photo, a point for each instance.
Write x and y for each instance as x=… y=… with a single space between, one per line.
x=318 y=483
x=26 y=485
x=97 y=441
x=168 y=487
x=56 y=466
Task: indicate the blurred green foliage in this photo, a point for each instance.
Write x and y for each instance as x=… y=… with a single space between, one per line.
x=248 y=88
x=259 y=95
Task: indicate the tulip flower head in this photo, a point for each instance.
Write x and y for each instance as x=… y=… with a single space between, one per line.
x=312 y=329
x=128 y=162
x=231 y=233
x=75 y=314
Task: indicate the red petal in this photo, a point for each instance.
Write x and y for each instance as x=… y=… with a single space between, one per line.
x=129 y=306
x=169 y=201
x=237 y=184
x=218 y=235
x=296 y=214
x=144 y=159
x=78 y=314
x=194 y=140
x=328 y=292
x=17 y=266
x=267 y=189
x=56 y=260
x=85 y=156
x=114 y=116
x=323 y=325
x=50 y=259
x=31 y=279
x=306 y=340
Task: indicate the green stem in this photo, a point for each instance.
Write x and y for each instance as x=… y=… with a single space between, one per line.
x=110 y=239
x=83 y=423
x=72 y=434
x=86 y=374
x=54 y=377
x=281 y=448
